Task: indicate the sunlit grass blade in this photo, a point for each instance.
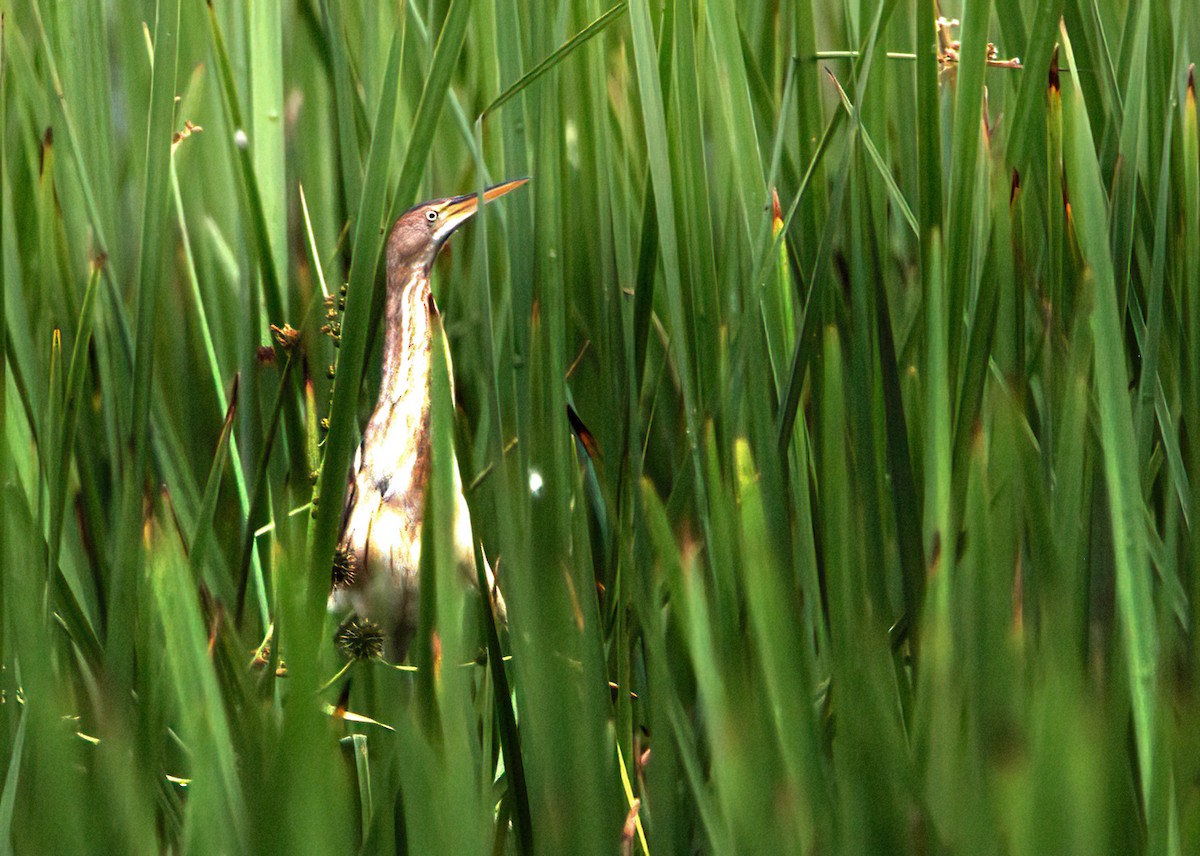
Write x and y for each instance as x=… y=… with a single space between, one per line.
x=266 y=130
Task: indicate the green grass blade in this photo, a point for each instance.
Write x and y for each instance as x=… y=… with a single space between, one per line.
x=4 y=448
x=343 y=430
x=155 y=214
x=963 y=248
x=429 y=108
x=895 y=194
x=349 y=151
x=202 y=530
x=239 y=146
x=215 y=792
x=562 y=52
x=1134 y=605
x=265 y=43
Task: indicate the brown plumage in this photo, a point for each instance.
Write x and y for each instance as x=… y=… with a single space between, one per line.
x=379 y=552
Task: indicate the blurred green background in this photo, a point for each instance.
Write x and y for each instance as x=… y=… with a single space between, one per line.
x=881 y=539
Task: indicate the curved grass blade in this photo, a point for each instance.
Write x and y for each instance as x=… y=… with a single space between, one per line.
x=562 y=52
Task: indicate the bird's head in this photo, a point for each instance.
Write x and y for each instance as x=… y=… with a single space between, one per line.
x=421 y=231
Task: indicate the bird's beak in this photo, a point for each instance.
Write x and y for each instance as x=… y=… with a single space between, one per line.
x=459 y=209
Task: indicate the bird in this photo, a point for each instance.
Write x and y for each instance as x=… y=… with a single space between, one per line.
x=376 y=565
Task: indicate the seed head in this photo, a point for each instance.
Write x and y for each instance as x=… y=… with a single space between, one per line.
x=345 y=568
x=360 y=639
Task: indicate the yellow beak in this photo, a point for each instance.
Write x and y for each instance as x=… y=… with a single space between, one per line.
x=457 y=210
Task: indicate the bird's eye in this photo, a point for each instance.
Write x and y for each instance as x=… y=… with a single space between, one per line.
x=431 y=216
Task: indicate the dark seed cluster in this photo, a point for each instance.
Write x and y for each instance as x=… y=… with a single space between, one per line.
x=344 y=568
x=360 y=639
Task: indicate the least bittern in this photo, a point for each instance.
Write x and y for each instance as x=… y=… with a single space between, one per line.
x=376 y=568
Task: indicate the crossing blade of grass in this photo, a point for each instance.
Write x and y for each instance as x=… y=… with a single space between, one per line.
x=343 y=430
x=1134 y=605
x=65 y=432
x=906 y=500
x=50 y=468
x=259 y=496
x=202 y=531
x=894 y=193
x=814 y=307
x=79 y=627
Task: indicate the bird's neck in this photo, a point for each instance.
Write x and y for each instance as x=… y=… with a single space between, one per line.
x=407 y=336
x=396 y=439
